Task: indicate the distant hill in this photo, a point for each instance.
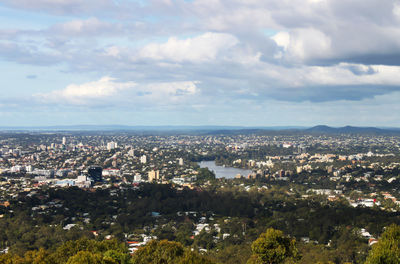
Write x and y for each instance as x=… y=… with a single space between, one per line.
x=207 y=130
x=117 y=128
x=218 y=129
x=350 y=130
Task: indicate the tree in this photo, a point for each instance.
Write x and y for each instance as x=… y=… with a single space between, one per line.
x=273 y=247
x=11 y=259
x=85 y=257
x=232 y=254
x=37 y=257
x=310 y=253
x=387 y=250
x=90 y=251
x=167 y=252
x=205 y=174
x=115 y=257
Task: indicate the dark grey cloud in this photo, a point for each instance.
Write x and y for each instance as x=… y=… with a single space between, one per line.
x=27 y=54
x=375 y=59
x=359 y=70
x=63 y=7
x=318 y=94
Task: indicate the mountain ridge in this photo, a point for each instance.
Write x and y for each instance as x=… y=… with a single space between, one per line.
x=321 y=129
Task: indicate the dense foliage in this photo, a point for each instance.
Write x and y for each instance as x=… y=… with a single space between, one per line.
x=272 y=247
x=82 y=251
x=167 y=252
x=332 y=228
x=387 y=251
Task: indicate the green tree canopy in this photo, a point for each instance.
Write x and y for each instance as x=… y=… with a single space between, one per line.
x=273 y=247
x=85 y=257
x=82 y=251
x=387 y=250
x=167 y=252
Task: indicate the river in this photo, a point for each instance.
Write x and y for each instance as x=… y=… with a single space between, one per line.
x=223 y=172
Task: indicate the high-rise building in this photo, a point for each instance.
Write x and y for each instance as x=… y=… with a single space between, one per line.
x=112 y=145
x=180 y=162
x=143 y=159
x=131 y=152
x=64 y=141
x=154 y=175
x=29 y=168
x=95 y=173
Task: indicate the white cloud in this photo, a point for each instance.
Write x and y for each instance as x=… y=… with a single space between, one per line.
x=305 y=44
x=343 y=74
x=108 y=92
x=91 y=93
x=396 y=10
x=88 y=27
x=112 y=51
x=202 y=48
x=184 y=52
x=282 y=39
x=166 y=92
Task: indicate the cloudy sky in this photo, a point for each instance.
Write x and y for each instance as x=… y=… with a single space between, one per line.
x=200 y=62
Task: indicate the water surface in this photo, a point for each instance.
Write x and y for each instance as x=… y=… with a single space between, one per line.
x=223 y=172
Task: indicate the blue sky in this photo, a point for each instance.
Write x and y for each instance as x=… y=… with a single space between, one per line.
x=200 y=62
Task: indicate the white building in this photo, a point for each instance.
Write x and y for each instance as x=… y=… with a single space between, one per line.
x=131 y=152
x=143 y=159
x=83 y=181
x=112 y=145
x=17 y=168
x=137 y=178
x=179 y=181
x=111 y=172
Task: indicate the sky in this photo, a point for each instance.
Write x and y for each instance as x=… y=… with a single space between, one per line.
x=200 y=62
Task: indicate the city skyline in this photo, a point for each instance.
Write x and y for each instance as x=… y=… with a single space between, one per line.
x=200 y=63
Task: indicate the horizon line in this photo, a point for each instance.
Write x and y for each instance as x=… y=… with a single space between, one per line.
x=99 y=127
